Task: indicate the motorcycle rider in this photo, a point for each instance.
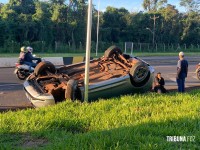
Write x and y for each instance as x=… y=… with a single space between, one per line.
x=22 y=55
x=28 y=58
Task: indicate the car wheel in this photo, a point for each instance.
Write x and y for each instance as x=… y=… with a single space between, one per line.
x=70 y=92
x=198 y=73
x=20 y=75
x=139 y=74
x=43 y=67
x=111 y=51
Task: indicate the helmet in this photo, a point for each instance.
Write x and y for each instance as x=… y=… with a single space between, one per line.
x=181 y=54
x=23 y=49
x=30 y=49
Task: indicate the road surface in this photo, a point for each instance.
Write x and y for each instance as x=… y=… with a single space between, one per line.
x=12 y=95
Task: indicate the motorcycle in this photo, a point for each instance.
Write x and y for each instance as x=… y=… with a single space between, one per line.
x=22 y=71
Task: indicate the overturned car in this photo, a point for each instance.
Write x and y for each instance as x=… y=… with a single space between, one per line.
x=198 y=71
x=113 y=74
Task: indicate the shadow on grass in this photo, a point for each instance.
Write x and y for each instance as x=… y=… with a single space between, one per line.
x=151 y=135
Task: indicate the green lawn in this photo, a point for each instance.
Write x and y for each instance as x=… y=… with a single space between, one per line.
x=140 y=121
x=101 y=54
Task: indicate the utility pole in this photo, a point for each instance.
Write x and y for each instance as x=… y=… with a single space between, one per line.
x=154 y=26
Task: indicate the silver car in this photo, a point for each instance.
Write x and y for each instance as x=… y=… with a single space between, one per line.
x=112 y=75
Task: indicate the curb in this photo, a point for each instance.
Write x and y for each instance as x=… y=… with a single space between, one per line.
x=13 y=108
x=10 y=62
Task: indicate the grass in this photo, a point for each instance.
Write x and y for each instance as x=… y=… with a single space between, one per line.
x=140 y=121
x=101 y=54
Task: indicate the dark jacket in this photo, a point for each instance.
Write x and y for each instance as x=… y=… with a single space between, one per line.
x=159 y=85
x=182 y=68
x=160 y=82
x=29 y=57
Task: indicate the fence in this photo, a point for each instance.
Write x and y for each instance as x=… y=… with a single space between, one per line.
x=128 y=47
x=160 y=47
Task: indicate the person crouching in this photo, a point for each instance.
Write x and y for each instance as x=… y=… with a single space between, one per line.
x=159 y=83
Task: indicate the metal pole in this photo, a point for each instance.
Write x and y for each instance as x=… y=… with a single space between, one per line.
x=97 y=44
x=132 y=48
x=153 y=36
x=125 y=48
x=88 y=48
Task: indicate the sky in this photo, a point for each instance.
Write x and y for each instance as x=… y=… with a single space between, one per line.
x=131 y=5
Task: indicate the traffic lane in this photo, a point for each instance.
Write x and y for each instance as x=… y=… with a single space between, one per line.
x=10 y=86
x=11 y=90
x=14 y=99
x=7 y=75
x=169 y=74
x=170 y=60
x=12 y=94
x=8 y=80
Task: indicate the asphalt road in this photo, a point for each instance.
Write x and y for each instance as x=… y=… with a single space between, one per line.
x=11 y=91
x=12 y=95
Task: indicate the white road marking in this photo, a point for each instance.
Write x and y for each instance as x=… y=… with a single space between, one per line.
x=173 y=79
x=188 y=73
x=164 y=66
x=194 y=77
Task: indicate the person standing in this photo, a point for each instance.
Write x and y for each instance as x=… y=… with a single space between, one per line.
x=182 y=70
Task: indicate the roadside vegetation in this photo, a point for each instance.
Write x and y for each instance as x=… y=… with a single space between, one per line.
x=140 y=121
x=144 y=54
x=60 y=26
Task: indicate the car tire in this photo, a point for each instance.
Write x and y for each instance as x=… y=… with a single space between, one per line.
x=139 y=74
x=111 y=51
x=70 y=92
x=43 y=67
x=198 y=73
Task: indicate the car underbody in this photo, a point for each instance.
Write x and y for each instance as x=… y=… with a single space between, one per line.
x=67 y=82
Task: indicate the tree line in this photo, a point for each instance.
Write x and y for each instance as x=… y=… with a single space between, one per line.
x=64 y=21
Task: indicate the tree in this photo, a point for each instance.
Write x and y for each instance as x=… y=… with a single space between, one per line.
x=115 y=21
x=59 y=2
x=23 y=6
x=191 y=5
x=170 y=28
x=43 y=24
x=191 y=21
x=2 y=32
x=191 y=30
x=1 y=5
x=77 y=18
x=153 y=5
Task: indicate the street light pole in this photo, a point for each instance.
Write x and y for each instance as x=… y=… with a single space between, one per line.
x=88 y=48
x=152 y=34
